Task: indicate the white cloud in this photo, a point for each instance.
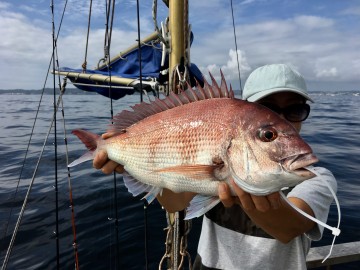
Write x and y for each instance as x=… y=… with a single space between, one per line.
x=313 y=22
x=81 y=8
x=329 y=72
x=312 y=44
x=246 y=2
x=315 y=45
x=351 y=11
x=230 y=69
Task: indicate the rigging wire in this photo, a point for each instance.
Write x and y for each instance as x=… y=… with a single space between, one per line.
x=72 y=206
x=32 y=129
x=236 y=46
x=51 y=62
x=87 y=38
x=110 y=7
x=21 y=214
x=55 y=142
x=141 y=100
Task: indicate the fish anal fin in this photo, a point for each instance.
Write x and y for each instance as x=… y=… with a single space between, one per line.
x=135 y=187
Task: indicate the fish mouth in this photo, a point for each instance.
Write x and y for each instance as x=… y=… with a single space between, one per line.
x=296 y=164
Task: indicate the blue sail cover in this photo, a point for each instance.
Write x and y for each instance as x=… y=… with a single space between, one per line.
x=128 y=67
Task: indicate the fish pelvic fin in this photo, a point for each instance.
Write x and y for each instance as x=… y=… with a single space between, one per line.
x=90 y=140
x=200 y=204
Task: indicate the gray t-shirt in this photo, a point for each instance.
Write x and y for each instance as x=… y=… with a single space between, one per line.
x=230 y=240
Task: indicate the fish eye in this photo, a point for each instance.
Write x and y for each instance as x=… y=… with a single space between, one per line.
x=268 y=134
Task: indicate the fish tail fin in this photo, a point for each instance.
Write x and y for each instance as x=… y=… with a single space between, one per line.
x=90 y=140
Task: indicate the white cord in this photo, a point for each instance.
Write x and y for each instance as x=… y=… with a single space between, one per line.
x=335 y=230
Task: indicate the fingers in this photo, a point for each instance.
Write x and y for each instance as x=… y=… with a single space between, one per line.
x=108 y=135
x=107 y=166
x=100 y=159
x=274 y=200
x=245 y=199
x=110 y=167
x=260 y=203
x=119 y=169
x=225 y=195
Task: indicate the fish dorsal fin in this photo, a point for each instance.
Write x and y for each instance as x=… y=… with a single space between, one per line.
x=140 y=111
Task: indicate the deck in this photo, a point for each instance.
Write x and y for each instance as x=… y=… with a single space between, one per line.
x=342 y=253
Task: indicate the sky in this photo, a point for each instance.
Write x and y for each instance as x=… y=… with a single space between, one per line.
x=319 y=38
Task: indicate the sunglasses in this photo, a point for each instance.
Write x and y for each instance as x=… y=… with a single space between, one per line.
x=292 y=113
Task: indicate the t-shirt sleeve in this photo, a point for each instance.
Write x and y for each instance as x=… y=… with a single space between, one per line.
x=316 y=194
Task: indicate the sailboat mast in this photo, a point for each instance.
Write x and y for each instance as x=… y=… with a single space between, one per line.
x=178 y=61
x=178 y=28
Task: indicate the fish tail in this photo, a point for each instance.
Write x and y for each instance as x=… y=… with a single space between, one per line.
x=91 y=142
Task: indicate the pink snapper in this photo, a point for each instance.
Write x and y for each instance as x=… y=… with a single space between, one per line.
x=195 y=140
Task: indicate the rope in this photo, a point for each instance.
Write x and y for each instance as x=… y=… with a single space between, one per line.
x=236 y=47
x=87 y=38
x=154 y=16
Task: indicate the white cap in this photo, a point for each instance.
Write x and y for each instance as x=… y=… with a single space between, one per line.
x=271 y=79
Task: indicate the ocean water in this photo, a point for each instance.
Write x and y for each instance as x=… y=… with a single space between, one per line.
x=333 y=131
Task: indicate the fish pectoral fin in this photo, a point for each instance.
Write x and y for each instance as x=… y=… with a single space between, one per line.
x=196 y=171
x=200 y=204
x=135 y=187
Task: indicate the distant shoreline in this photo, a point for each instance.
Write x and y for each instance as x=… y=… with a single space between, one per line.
x=75 y=91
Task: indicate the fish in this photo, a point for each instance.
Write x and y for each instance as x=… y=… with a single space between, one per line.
x=194 y=140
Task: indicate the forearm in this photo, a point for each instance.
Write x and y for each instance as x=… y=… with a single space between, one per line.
x=283 y=223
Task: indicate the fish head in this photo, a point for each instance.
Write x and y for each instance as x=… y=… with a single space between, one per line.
x=267 y=153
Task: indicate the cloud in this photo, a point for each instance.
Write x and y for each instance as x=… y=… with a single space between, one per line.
x=312 y=44
x=230 y=69
x=80 y=8
x=329 y=72
x=322 y=48
x=24 y=50
x=351 y=11
x=313 y=22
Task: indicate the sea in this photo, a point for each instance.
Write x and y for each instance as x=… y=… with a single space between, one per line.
x=113 y=229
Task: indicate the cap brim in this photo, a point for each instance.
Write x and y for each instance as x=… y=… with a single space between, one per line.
x=268 y=92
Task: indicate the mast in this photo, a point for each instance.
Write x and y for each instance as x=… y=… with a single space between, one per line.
x=178 y=28
x=178 y=61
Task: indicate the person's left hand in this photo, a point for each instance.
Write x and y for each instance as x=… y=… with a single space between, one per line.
x=101 y=160
x=247 y=201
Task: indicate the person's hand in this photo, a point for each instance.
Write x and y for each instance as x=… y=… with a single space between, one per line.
x=101 y=160
x=247 y=201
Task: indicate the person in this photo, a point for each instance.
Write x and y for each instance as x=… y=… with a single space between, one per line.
x=259 y=232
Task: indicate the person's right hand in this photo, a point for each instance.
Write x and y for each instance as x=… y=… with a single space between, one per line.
x=101 y=161
x=248 y=201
